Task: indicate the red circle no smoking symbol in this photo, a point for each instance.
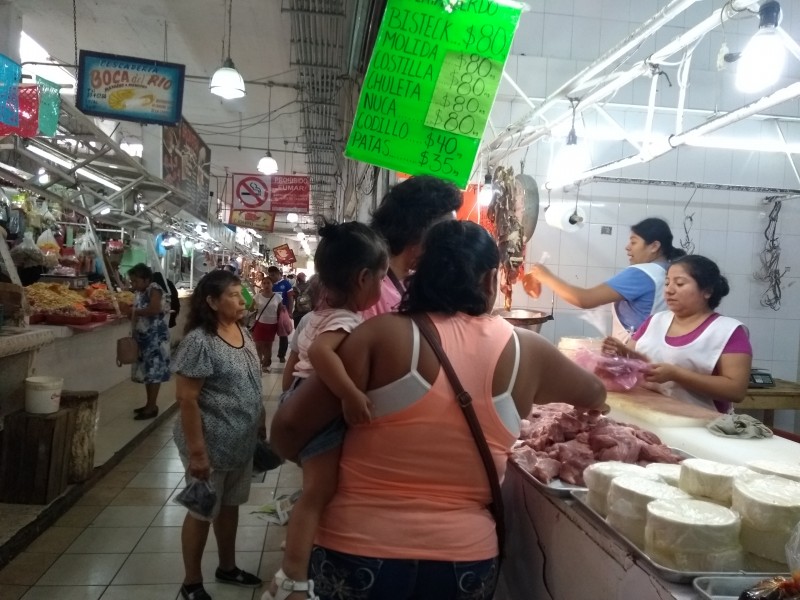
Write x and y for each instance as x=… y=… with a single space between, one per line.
x=251 y=192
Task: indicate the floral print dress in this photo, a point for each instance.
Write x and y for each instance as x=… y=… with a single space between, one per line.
x=152 y=335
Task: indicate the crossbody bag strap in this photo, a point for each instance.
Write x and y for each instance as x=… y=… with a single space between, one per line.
x=396 y=282
x=464 y=399
x=263 y=309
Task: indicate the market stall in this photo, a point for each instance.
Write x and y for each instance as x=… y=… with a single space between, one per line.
x=558 y=547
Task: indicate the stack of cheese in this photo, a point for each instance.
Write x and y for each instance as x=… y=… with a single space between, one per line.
x=709 y=480
x=693 y=535
x=774 y=467
x=770 y=510
x=628 y=498
x=598 y=478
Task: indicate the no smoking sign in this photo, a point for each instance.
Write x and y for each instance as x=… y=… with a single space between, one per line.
x=251 y=193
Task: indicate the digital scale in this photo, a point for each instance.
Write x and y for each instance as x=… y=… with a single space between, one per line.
x=760 y=378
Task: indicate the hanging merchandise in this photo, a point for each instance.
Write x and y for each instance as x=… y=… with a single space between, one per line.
x=47 y=243
x=27 y=254
x=10 y=76
x=49 y=106
x=86 y=251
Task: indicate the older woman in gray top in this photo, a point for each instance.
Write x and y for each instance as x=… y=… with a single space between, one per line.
x=218 y=379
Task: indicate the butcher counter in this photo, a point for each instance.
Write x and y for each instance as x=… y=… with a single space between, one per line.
x=553 y=551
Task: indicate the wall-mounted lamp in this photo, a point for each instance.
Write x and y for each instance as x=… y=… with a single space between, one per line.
x=761 y=62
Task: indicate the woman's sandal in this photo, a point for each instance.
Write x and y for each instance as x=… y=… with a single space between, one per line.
x=146 y=414
x=287 y=586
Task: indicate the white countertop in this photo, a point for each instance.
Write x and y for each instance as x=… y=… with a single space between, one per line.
x=702 y=443
x=16 y=340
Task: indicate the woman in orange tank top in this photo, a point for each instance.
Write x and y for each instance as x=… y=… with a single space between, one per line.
x=409 y=518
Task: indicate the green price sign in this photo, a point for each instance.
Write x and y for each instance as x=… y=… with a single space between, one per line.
x=430 y=85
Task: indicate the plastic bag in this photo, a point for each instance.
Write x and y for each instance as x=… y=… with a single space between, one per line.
x=285 y=323
x=618 y=374
x=47 y=242
x=199 y=497
x=780 y=588
x=26 y=253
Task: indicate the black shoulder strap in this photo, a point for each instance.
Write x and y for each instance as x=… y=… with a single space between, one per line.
x=428 y=331
x=396 y=282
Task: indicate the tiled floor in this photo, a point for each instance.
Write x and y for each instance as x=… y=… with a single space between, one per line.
x=122 y=538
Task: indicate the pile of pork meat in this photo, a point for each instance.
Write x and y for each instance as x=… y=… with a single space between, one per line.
x=557 y=440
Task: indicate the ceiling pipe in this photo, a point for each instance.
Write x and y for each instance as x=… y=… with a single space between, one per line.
x=688 y=137
x=516 y=130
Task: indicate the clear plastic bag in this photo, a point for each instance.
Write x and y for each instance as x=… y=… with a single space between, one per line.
x=199 y=497
x=617 y=373
x=780 y=588
x=26 y=253
x=47 y=242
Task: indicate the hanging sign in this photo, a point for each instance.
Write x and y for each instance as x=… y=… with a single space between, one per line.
x=284 y=254
x=186 y=165
x=10 y=75
x=129 y=89
x=430 y=85
x=257 y=198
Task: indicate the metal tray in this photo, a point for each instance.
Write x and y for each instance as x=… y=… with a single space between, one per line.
x=640 y=557
x=562 y=489
x=724 y=588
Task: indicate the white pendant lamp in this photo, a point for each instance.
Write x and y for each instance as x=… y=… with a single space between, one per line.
x=761 y=62
x=227 y=82
x=268 y=165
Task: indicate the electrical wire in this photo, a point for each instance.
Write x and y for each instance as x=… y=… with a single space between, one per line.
x=688 y=222
x=770 y=271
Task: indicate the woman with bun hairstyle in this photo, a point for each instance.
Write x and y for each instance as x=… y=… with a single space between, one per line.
x=696 y=354
x=636 y=291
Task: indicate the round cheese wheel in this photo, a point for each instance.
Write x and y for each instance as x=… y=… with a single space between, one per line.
x=691 y=526
x=700 y=477
x=598 y=477
x=774 y=467
x=597 y=502
x=671 y=474
x=629 y=495
x=631 y=527
x=766 y=544
x=766 y=502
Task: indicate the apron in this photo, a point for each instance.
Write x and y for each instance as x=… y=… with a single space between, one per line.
x=657 y=273
x=700 y=355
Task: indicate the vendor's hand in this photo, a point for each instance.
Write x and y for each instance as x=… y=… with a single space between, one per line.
x=613 y=347
x=199 y=466
x=539 y=271
x=660 y=373
x=357 y=410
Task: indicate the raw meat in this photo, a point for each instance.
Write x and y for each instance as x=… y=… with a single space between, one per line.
x=557 y=440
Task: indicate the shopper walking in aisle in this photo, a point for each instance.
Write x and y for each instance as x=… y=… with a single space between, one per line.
x=696 y=355
x=265 y=328
x=406 y=212
x=636 y=292
x=351 y=262
x=302 y=298
x=218 y=376
x=150 y=316
x=283 y=287
x=409 y=518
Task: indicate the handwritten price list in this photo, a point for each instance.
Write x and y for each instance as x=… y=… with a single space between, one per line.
x=430 y=86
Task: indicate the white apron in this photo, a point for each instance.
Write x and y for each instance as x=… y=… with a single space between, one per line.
x=700 y=356
x=657 y=273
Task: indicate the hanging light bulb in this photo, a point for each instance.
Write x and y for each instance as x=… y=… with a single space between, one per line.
x=761 y=62
x=486 y=194
x=572 y=160
x=227 y=82
x=292 y=217
x=268 y=165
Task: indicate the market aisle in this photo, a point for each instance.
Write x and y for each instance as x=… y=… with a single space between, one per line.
x=122 y=539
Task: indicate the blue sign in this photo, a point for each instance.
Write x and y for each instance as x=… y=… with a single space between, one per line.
x=130 y=89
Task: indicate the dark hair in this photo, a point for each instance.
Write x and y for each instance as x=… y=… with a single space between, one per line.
x=457 y=256
x=273 y=269
x=213 y=284
x=657 y=230
x=707 y=275
x=142 y=271
x=409 y=208
x=344 y=250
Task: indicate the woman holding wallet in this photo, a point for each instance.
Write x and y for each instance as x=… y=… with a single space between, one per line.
x=409 y=518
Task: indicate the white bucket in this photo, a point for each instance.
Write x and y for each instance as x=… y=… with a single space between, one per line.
x=43 y=394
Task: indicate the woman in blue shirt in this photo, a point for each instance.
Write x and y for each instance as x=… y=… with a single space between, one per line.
x=636 y=292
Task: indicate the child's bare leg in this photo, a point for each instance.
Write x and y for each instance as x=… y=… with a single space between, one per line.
x=320 y=478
